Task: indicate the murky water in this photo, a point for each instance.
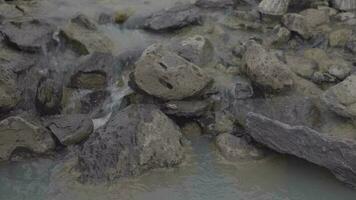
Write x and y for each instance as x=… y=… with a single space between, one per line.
x=205 y=175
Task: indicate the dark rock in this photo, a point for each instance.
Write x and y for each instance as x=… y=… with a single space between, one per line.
x=70 y=129
x=49 y=97
x=335 y=153
x=186 y=108
x=215 y=3
x=10 y=95
x=166 y=75
x=351 y=46
x=173 y=18
x=134 y=140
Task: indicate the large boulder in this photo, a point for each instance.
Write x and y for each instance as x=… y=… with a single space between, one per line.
x=30 y=36
x=134 y=140
x=10 y=95
x=265 y=69
x=341 y=98
x=174 y=18
x=166 y=75
x=332 y=152
x=70 y=129
x=17 y=133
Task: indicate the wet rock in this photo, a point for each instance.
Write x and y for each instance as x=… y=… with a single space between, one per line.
x=10 y=95
x=18 y=132
x=95 y=72
x=333 y=152
x=30 y=36
x=70 y=129
x=296 y=23
x=83 y=36
x=215 y=3
x=173 y=18
x=196 y=49
x=344 y=4
x=341 y=98
x=134 y=140
x=236 y=87
x=237 y=149
x=273 y=7
x=192 y=108
x=49 y=97
x=265 y=69
x=339 y=38
x=166 y=75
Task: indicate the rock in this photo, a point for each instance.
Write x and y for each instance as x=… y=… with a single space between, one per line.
x=296 y=23
x=49 y=97
x=233 y=87
x=173 y=18
x=351 y=46
x=335 y=153
x=31 y=36
x=341 y=98
x=8 y=11
x=315 y=17
x=191 y=129
x=273 y=7
x=17 y=133
x=83 y=36
x=121 y=16
x=265 y=69
x=304 y=67
x=345 y=16
x=279 y=36
x=134 y=140
x=196 y=49
x=166 y=75
x=346 y=5
x=215 y=3
x=70 y=129
x=339 y=38
x=237 y=149
x=186 y=108
x=10 y=95
x=95 y=72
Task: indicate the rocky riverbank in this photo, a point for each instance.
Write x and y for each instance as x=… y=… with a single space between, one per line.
x=275 y=74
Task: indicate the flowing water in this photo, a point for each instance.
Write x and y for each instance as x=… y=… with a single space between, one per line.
x=203 y=176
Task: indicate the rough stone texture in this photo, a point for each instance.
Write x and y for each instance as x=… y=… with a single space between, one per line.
x=166 y=75
x=30 y=36
x=83 y=36
x=315 y=17
x=173 y=18
x=215 y=3
x=279 y=36
x=10 y=96
x=186 y=108
x=344 y=4
x=70 y=129
x=297 y=23
x=304 y=67
x=341 y=98
x=339 y=38
x=334 y=153
x=49 y=97
x=273 y=7
x=19 y=133
x=196 y=49
x=265 y=69
x=8 y=11
x=237 y=149
x=134 y=140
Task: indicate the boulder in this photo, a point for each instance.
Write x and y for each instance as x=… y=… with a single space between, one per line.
x=70 y=129
x=315 y=17
x=215 y=3
x=10 y=95
x=134 y=140
x=335 y=153
x=173 y=18
x=297 y=23
x=339 y=38
x=17 y=133
x=237 y=148
x=166 y=75
x=273 y=7
x=265 y=69
x=30 y=36
x=279 y=36
x=83 y=36
x=341 y=98
x=302 y=66
x=49 y=97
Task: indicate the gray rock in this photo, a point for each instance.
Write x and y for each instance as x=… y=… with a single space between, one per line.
x=70 y=129
x=186 y=108
x=30 y=36
x=134 y=140
x=49 y=97
x=8 y=11
x=297 y=23
x=215 y=4
x=20 y=133
x=351 y=46
x=10 y=95
x=265 y=69
x=173 y=18
x=273 y=7
x=166 y=75
x=237 y=149
x=332 y=152
x=341 y=98
x=346 y=5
